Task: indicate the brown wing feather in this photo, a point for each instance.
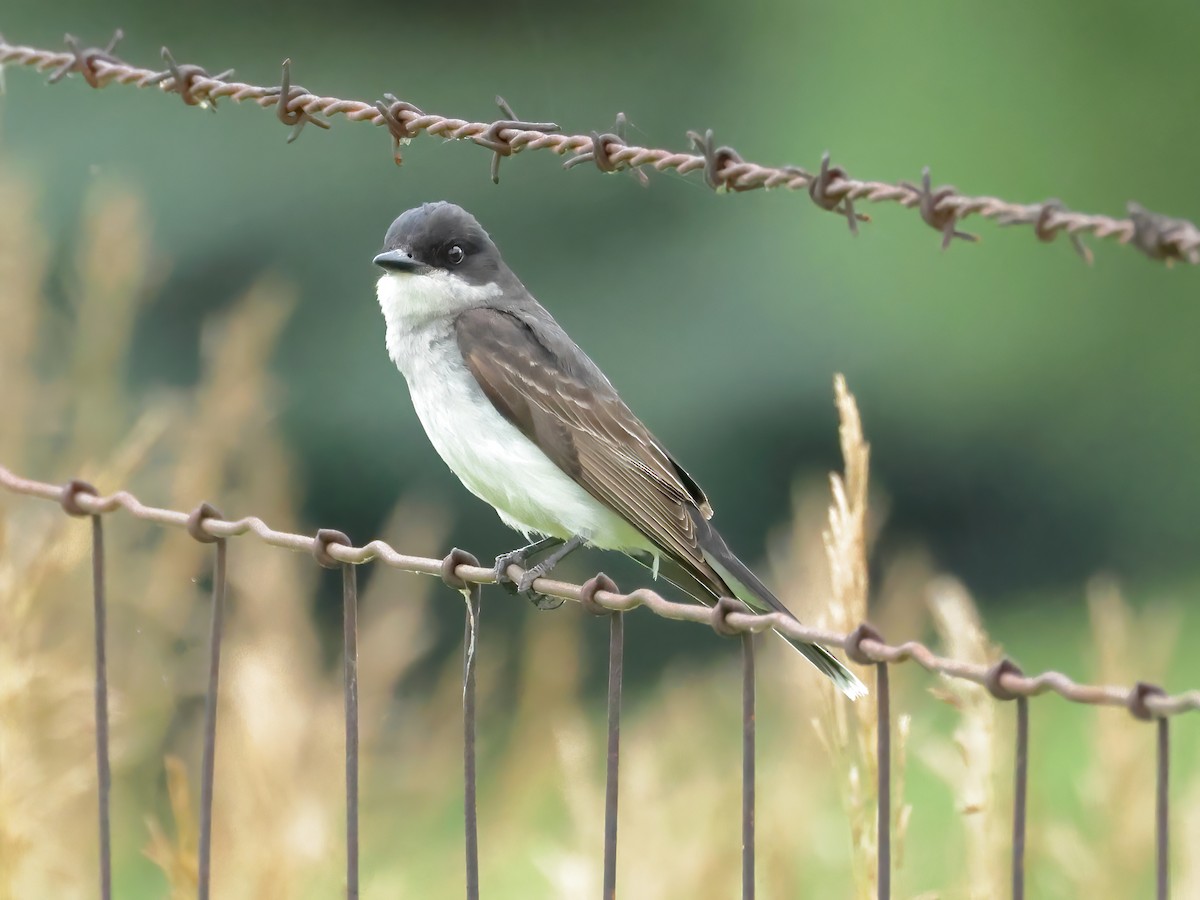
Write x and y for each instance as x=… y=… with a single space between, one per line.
x=588 y=432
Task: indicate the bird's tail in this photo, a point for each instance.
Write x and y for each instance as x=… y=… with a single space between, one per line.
x=748 y=588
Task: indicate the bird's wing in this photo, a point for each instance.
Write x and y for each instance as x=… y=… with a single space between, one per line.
x=562 y=403
x=548 y=388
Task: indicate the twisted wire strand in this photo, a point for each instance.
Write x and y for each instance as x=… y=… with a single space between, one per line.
x=1157 y=236
x=1139 y=699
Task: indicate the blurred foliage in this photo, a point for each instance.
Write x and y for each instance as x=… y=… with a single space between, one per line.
x=279 y=800
x=1035 y=418
x=1032 y=422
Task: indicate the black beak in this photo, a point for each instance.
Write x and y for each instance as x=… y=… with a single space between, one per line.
x=399 y=261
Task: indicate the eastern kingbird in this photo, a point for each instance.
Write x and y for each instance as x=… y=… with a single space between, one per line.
x=530 y=425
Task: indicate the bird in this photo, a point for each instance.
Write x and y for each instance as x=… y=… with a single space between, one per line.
x=531 y=426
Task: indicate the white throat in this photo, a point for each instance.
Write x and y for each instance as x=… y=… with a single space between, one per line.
x=410 y=301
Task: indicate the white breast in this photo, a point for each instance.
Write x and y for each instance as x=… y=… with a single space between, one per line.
x=491 y=457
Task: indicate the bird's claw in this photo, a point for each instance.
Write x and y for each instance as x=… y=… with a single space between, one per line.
x=523 y=587
x=513 y=558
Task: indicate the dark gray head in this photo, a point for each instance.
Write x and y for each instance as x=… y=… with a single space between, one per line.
x=441 y=237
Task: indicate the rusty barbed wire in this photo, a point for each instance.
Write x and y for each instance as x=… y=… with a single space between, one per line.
x=864 y=645
x=1158 y=236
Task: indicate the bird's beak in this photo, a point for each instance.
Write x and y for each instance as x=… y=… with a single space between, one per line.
x=399 y=261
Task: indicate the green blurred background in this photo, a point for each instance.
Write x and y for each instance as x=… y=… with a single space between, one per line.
x=1033 y=421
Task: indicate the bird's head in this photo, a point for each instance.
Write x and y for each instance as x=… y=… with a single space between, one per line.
x=438 y=260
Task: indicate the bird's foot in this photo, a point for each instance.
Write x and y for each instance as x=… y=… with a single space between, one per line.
x=524 y=585
x=542 y=603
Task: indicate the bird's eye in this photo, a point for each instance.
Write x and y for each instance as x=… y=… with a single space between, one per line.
x=455 y=254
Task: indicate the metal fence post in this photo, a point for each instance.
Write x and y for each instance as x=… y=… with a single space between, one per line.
x=70 y=505
x=350 y=700
x=1140 y=709
x=321 y=544
x=1020 y=798
x=471 y=592
x=616 y=661
x=195 y=527
x=1162 y=836
x=993 y=682
x=717 y=619
x=883 y=749
x=748 y=736
x=616 y=664
x=883 y=752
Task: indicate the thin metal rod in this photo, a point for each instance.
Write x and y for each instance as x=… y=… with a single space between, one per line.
x=350 y=702
x=883 y=751
x=470 y=649
x=103 y=771
x=747 y=766
x=1029 y=685
x=616 y=663
x=210 y=721
x=1020 y=793
x=1162 y=810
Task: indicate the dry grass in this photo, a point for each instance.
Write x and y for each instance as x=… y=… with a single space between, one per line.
x=279 y=807
x=1112 y=847
x=74 y=413
x=974 y=759
x=848 y=730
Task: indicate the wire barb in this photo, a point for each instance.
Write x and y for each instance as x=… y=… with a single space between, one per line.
x=84 y=61
x=288 y=94
x=600 y=153
x=1158 y=237
x=1048 y=219
x=1163 y=238
x=392 y=112
x=1048 y=223
x=819 y=190
x=717 y=162
x=181 y=79
x=935 y=212
x=493 y=137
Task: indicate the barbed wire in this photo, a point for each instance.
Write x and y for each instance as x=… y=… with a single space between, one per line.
x=599 y=595
x=943 y=208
